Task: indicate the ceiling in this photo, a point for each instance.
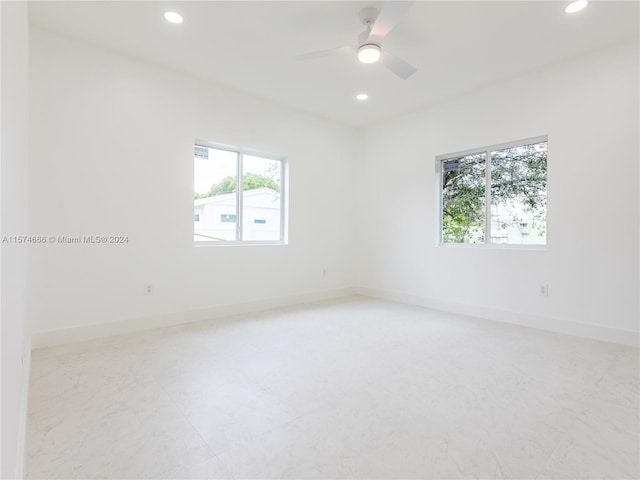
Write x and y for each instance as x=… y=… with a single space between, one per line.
x=457 y=46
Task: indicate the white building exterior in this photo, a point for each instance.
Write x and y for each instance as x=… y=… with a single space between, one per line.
x=215 y=217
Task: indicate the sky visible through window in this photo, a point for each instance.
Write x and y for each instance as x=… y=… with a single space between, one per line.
x=209 y=171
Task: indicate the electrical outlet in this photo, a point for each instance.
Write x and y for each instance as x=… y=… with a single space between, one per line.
x=148 y=289
x=544 y=290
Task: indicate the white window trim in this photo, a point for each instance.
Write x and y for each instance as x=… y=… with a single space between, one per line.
x=487 y=214
x=239 y=213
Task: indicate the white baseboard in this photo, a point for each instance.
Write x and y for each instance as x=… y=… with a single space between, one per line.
x=585 y=330
x=69 y=335
x=21 y=454
x=63 y=336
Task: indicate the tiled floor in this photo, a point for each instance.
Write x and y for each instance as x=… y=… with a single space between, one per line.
x=357 y=388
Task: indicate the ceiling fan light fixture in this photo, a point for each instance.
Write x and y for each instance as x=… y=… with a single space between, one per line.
x=369 y=53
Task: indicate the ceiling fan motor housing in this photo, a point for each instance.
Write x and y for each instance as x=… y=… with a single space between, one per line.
x=363 y=39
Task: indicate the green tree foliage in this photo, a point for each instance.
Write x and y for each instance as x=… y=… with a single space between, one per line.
x=518 y=184
x=250 y=181
x=463 y=191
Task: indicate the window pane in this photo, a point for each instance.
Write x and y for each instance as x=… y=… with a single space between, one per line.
x=215 y=185
x=261 y=186
x=463 y=199
x=519 y=195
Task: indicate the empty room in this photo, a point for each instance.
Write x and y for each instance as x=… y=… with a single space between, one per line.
x=320 y=239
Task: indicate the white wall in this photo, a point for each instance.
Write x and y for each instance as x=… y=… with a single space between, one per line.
x=112 y=153
x=14 y=258
x=589 y=108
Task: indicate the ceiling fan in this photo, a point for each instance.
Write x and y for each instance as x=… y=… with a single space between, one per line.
x=369 y=47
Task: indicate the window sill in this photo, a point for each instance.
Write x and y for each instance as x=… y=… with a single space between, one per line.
x=238 y=244
x=492 y=246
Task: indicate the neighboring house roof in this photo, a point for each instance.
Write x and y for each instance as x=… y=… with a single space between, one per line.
x=232 y=196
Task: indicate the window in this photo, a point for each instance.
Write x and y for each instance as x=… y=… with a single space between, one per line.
x=494 y=195
x=238 y=196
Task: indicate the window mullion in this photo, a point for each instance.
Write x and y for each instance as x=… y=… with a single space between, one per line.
x=282 y=189
x=239 y=196
x=487 y=198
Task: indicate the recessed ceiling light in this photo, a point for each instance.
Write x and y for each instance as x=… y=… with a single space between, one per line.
x=576 y=6
x=173 y=17
x=362 y=96
x=369 y=53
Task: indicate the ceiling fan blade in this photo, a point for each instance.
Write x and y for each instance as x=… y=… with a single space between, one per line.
x=397 y=65
x=346 y=50
x=388 y=18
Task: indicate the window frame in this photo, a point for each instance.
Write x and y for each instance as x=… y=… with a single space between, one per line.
x=440 y=159
x=241 y=152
